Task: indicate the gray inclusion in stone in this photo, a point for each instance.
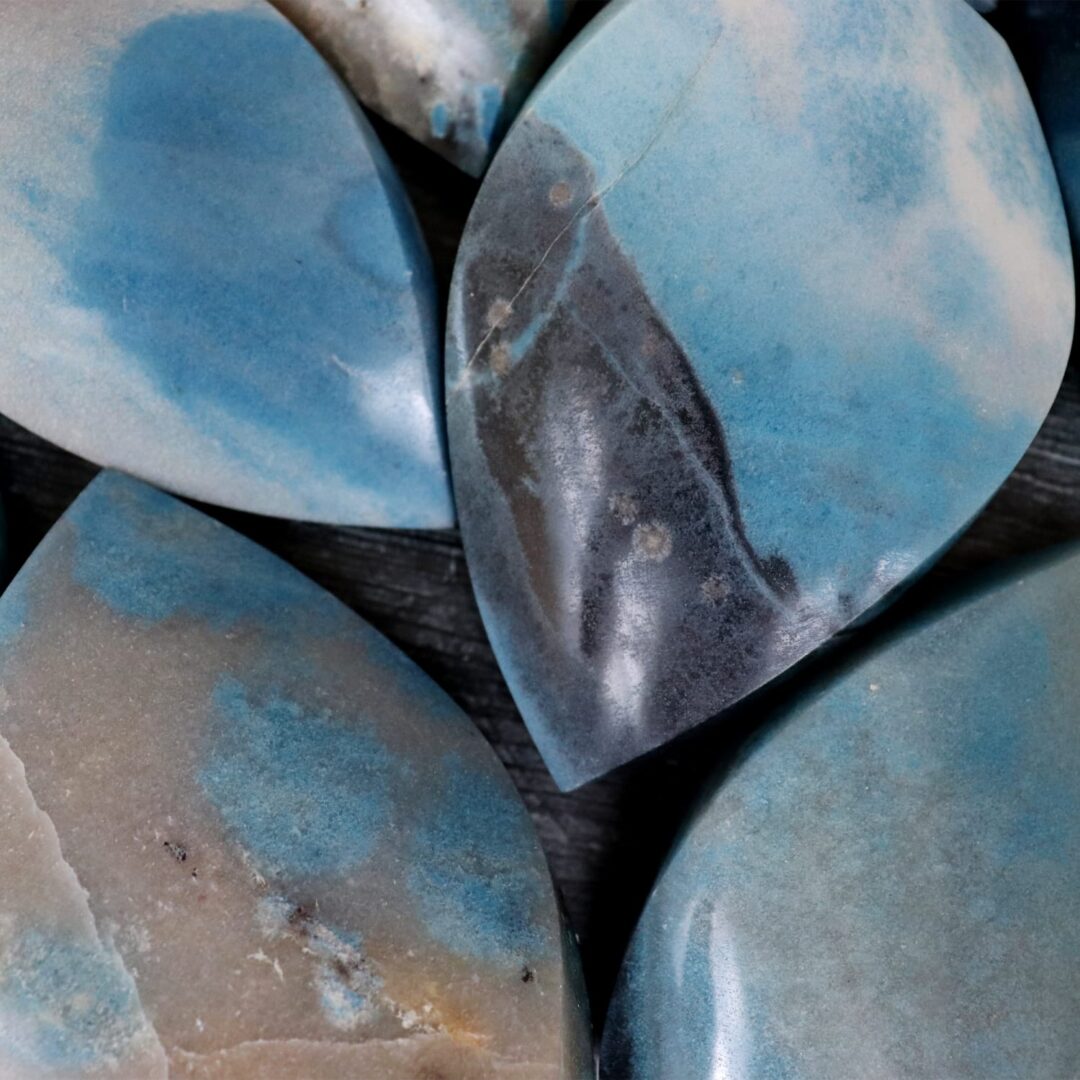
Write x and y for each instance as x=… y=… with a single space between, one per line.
x=887 y=882
x=633 y=417
x=253 y=837
x=733 y=350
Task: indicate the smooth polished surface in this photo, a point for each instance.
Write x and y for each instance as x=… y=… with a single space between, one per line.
x=451 y=73
x=736 y=349
x=209 y=274
x=887 y=882
x=254 y=839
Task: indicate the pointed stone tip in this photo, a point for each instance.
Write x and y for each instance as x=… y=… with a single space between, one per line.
x=262 y=334
x=259 y=793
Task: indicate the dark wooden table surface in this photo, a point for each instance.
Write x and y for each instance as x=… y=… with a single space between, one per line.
x=606 y=841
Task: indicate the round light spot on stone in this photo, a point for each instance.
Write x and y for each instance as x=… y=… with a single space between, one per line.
x=560 y=194
x=650 y=344
x=500 y=358
x=652 y=541
x=499 y=312
x=624 y=507
x=715 y=589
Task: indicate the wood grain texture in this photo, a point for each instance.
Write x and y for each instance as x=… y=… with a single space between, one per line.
x=606 y=841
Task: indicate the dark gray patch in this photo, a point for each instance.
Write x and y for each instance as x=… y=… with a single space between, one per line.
x=584 y=352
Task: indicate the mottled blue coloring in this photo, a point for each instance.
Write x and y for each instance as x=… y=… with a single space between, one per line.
x=885 y=882
x=64 y=1004
x=474 y=893
x=884 y=137
x=245 y=242
x=181 y=95
x=148 y=557
x=304 y=793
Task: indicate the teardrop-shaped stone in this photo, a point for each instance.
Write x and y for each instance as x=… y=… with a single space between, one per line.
x=737 y=347
x=251 y=838
x=451 y=73
x=886 y=882
x=209 y=273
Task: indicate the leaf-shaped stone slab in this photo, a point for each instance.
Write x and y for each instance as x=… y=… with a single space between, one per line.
x=209 y=274
x=252 y=838
x=737 y=347
x=451 y=73
x=886 y=883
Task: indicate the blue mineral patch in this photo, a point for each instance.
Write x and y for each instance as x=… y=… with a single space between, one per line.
x=64 y=1005
x=784 y=385
x=248 y=319
x=148 y=556
x=301 y=791
x=476 y=875
x=440 y=120
x=885 y=139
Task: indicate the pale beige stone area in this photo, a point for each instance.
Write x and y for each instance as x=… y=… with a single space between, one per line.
x=419 y=1057
x=45 y=924
x=235 y=972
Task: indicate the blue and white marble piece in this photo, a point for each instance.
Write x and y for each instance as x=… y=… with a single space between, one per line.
x=253 y=838
x=886 y=882
x=209 y=274
x=737 y=348
x=451 y=73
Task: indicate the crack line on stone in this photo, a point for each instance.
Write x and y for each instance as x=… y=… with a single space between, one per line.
x=346 y=1046
x=595 y=200
x=107 y=948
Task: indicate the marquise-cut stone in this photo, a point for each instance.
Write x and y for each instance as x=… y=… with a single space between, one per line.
x=451 y=73
x=209 y=274
x=737 y=347
x=251 y=838
x=886 y=883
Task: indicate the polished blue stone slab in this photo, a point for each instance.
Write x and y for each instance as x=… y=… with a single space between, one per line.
x=886 y=882
x=209 y=274
x=451 y=73
x=736 y=348
x=253 y=838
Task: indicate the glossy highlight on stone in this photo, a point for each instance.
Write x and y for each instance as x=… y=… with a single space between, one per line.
x=738 y=348
x=451 y=73
x=253 y=839
x=209 y=274
x=886 y=882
